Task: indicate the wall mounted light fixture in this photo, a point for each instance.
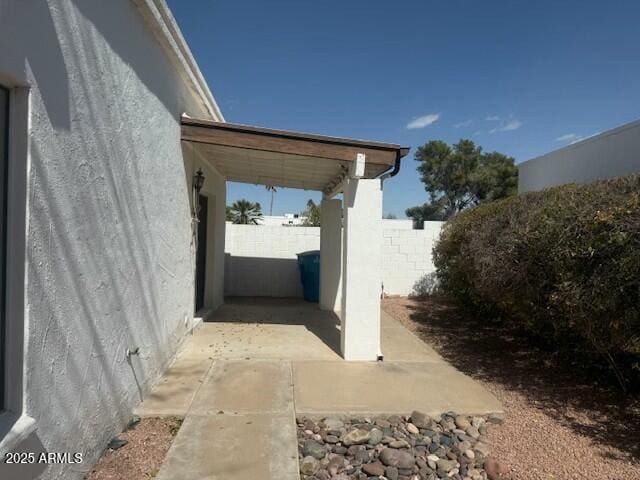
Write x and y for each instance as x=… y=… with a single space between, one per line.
x=198 y=180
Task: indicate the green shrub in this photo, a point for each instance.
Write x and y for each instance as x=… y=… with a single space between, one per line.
x=425 y=286
x=563 y=262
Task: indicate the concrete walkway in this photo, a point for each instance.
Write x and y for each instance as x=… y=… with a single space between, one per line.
x=243 y=377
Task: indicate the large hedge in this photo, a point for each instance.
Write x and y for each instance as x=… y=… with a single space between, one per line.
x=563 y=262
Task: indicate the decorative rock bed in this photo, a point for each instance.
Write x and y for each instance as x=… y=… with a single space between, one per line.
x=395 y=447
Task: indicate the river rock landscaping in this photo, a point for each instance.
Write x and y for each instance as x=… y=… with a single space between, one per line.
x=414 y=447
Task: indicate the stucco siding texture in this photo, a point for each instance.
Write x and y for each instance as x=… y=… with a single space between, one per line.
x=610 y=154
x=215 y=190
x=109 y=246
x=262 y=261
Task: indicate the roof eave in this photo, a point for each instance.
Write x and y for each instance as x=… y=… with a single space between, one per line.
x=161 y=21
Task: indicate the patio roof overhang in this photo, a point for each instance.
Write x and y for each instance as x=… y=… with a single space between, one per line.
x=283 y=158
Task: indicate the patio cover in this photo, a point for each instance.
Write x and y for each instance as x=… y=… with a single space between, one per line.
x=283 y=158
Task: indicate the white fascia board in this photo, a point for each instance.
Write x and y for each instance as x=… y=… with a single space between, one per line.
x=160 y=19
x=357 y=167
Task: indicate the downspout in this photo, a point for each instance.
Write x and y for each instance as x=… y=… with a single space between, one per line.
x=393 y=171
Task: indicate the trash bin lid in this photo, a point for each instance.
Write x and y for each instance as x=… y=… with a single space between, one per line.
x=310 y=252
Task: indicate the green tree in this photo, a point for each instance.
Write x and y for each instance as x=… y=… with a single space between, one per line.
x=425 y=212
x=312 y=212
x=389 y=216
x=495 y=177
x=459 y=176
x=245 y=212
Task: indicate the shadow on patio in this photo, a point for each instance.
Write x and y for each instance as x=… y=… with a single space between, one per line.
x=312 y=332
x=306 y=339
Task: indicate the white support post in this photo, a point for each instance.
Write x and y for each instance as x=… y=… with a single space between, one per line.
x=331 y=254
x=362 y=269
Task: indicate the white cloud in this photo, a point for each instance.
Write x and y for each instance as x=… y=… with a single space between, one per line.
x=423 y=121
x=466 y=123
x=569 y=138
x=493 y=118
x=507 y=126
x=512 y=125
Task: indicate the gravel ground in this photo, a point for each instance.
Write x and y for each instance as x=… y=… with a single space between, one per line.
x=141 y=457
x=560 y=424
x=411 y=447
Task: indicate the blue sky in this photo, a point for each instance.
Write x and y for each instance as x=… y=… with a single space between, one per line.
x=520 y=77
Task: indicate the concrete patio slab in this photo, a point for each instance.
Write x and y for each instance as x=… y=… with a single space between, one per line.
x=243 y=377
x=387 y=321
x=280 y=311
x=245 y=387
x=400 y=345
x=268 y=329
x=233 y=447
x=387 y=388
x=175 y=392
x=264 y=342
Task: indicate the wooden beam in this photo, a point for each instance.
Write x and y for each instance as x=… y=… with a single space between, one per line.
x=276 y=182
x=335 y=185
x=315 y=146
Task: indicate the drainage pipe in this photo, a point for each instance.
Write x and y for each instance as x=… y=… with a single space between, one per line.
x=393 y=171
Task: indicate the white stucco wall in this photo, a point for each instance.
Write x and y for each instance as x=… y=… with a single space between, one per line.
x=331 y=260
x=214 y=189
x=109 y=243
x=610 y=154
x=255 y=263
x=361 y=269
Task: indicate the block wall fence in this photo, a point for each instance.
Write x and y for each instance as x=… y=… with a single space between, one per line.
x=261 y=260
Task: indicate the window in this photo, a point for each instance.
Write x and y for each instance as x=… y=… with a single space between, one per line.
x=4 y=161
x=15 y=424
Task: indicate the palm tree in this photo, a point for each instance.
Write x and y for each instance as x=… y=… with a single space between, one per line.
x=312 y=212
x=273 y=190
x=245 y=212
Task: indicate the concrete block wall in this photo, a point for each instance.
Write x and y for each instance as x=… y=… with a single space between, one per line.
x=261 y=260
x=397 y=223
x=407 y=256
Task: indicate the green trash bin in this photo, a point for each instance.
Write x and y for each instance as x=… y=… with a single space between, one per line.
x=309 y=265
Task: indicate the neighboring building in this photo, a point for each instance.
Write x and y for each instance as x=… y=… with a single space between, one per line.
x=610 y=154
x=111 y=248
x=294 y=219
x=288 y=220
